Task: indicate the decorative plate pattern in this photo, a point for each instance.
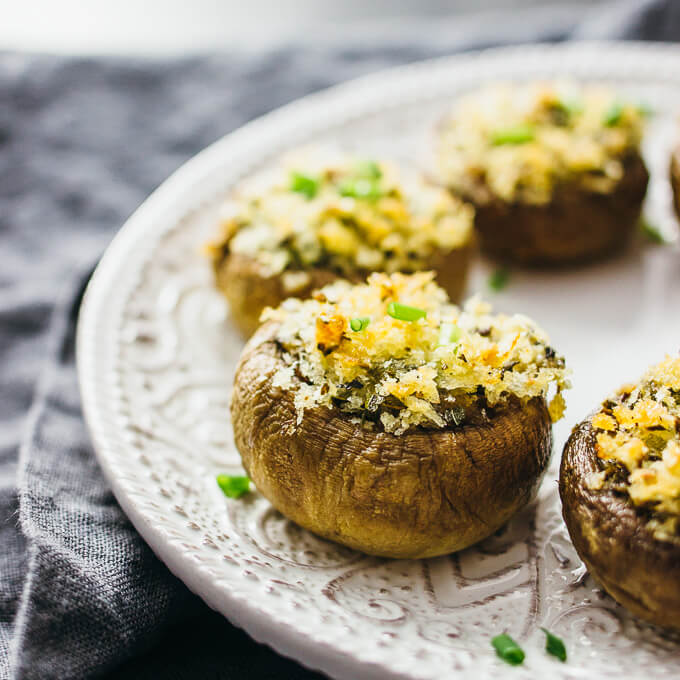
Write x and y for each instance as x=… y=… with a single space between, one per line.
x=156 y=354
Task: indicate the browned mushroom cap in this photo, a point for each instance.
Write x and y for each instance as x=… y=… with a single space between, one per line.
x=420 y=494
x=575 y=226
x=249 y=290
x=675 y=179
x=613 y=540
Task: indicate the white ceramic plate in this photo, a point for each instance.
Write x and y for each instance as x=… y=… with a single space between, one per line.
x=156 y=354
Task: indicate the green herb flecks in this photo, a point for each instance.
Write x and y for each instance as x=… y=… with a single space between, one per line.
x=368 y=169
x=233 y=487
x=359 y=324
x=405 y=313
x=564 y=110
x=449 y=333
x=364 y=188
x=499 y=279
x=508 y=650
x=651 y=232
x=554 y=645
x=520 y=134
x=571 y=105
x=613 y=114
x=304 y=184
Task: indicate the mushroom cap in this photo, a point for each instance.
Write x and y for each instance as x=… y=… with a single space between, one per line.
x=612 y=538
x=419 y=494
x=249 y=289
x=577 y=225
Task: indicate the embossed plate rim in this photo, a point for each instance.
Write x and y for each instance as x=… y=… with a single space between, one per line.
x=161 y=213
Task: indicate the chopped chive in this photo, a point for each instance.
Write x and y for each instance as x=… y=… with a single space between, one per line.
x=360 y=323
x=554 y=645
x=304 y=184
x=367 y=189
x=368 y=169
x=519 y=134
x=651 y=232
x=571 y=105
x=508 y=649
x=449 y=333
x=233 y=487
x=499 y=279
x=613 y=114
x=405 y=313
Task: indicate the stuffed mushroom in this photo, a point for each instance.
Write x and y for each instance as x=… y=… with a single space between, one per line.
x=620 y=489
x=320 y=217
x=554 y=170
x=385 y=418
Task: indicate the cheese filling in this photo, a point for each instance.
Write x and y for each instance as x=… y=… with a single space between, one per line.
x=638 y=443
x=344 y=213
x=518 y=142
x=395 y=352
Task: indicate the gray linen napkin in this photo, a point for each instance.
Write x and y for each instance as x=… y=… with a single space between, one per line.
x=82 y=143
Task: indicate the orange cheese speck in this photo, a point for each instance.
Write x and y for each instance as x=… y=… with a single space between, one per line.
x=329 y=330
x=604 y=422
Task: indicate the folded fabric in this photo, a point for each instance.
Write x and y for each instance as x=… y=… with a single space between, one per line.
x=82 y=143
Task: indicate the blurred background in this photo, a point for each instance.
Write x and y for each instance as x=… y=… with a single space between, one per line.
x=162 y=27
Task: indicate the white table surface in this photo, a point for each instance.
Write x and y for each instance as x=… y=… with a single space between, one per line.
x=162 y=27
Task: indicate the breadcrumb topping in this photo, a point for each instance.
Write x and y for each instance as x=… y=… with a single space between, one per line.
x=518 y=141
x=445 y=367
x=344 y=213
x=638 y=443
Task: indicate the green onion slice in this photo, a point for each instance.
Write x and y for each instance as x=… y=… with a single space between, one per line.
x=508 y=649
x=520 y=134
x=554 y=645
x=405 y=313
x=233 y=487
x=368 y=169
x=360 y=323
x=572 y=105
x=651 y=232
x=449 y=333
x=613 y=114
x=499 y=279
x=304 y=184
x=362 y=187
